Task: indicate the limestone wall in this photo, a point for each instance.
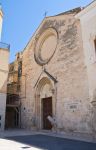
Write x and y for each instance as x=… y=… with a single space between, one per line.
x=68 y=67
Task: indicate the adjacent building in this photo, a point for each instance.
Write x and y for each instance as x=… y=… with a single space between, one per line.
x=4 y=60
x=87 y=19
x=13 y=91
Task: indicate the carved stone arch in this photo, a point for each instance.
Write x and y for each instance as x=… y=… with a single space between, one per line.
x=44 y=89
x=42 y=83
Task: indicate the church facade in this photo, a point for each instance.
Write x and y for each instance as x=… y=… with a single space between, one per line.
x=57 y=77
x=54 y=77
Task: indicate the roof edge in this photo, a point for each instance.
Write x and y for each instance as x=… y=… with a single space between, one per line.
x=86 y=9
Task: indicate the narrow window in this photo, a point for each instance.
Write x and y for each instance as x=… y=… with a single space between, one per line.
x=95 y=45
x=20 y=69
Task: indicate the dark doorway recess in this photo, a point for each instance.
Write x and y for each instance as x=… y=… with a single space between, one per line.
x=47 y=111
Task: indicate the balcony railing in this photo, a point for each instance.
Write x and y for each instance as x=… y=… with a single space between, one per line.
x=4 y=46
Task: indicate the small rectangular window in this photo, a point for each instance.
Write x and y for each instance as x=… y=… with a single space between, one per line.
x=0 y=117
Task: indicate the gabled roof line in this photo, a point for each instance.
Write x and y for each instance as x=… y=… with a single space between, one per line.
x=86 y=9
x=66 y=12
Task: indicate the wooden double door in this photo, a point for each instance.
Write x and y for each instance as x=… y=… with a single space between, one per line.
x=47 y=111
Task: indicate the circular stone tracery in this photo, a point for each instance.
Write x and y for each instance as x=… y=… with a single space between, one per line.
x=45 y=46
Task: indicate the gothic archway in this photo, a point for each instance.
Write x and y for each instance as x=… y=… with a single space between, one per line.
x=45 y=90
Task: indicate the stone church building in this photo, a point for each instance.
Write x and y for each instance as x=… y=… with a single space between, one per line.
x=54 y=78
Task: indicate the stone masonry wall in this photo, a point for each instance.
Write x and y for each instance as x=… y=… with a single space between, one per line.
x=68 y=67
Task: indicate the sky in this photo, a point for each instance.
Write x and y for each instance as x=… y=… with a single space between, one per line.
x=22 y=18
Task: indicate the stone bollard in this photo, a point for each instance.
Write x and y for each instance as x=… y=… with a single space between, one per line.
x=53 y=122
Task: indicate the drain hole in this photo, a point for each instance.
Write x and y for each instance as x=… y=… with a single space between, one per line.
x=25 y=147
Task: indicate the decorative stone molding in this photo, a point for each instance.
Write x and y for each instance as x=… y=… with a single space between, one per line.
x=45 y=46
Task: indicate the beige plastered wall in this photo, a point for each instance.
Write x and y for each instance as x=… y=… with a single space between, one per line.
x=4 y=60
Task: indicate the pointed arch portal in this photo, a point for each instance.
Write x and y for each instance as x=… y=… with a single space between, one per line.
x=44 y=103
